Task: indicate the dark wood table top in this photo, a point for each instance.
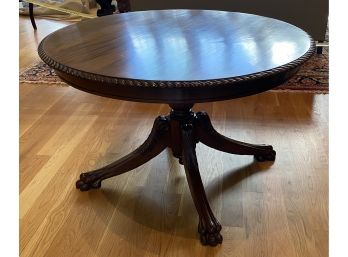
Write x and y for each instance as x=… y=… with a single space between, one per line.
x=177 y=56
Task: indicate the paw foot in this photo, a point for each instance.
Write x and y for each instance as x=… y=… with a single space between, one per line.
x=84 y=184
x=210 y=235
x=266 y=157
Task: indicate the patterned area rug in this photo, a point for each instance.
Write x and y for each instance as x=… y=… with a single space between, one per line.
x=312 y=77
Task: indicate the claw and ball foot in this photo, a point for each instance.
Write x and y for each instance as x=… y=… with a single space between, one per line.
x=85 y=183
x=270 y=156
x=209 y=234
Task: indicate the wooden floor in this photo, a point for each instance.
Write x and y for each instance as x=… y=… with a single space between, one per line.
x=266 y=210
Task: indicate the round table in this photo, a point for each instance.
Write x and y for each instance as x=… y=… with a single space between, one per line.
x=178 y=57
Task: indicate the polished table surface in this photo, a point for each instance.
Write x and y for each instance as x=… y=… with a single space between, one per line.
x=178 y=57
x=191 y=49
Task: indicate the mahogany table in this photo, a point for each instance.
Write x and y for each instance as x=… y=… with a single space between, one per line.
x=178 y=57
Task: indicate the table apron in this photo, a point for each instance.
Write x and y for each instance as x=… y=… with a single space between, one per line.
x=182 y=95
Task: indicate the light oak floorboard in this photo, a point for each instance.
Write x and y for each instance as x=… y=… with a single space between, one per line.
x=266 y=209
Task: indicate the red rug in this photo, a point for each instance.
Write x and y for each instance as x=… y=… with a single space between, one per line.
x=312 y=77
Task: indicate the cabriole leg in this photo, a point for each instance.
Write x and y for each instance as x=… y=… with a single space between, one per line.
x=208 y=228
x=206 y=134
x=157 y=141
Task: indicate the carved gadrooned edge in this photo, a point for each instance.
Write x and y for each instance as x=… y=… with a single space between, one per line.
x=171 y=84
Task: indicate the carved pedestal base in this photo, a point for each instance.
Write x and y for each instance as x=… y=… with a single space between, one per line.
x=181 y=130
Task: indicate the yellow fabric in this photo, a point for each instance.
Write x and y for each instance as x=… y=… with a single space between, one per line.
x=65 y=9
